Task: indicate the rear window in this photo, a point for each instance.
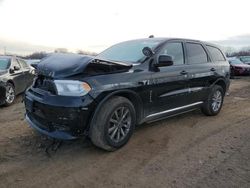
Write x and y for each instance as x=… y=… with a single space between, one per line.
x=4 y=63
x=215 y=53
x=196 y=53
x=23 y=63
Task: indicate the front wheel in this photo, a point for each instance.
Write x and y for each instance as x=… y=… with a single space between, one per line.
x=113 y=124
x=214 y=102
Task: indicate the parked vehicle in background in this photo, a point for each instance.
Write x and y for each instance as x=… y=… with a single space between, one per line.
x=238 y=68
x=15 y=76
x=33 y=62
x=132 y=82
x=244 y=59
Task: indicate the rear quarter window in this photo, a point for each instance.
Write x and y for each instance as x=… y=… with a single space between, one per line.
x=215 y=53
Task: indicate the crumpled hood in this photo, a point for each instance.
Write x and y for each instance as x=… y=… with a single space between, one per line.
x=2 y=72
x=63 y=65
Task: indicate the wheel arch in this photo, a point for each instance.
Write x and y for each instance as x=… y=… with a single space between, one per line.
x=132 y=96
x=221 y=82
x=11 y=82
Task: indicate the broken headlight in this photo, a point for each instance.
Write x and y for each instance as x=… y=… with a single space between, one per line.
x=72 y=87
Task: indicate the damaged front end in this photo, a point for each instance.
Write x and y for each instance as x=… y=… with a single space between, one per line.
x=58 y=104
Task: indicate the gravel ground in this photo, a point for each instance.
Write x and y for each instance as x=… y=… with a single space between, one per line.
x=189 y=150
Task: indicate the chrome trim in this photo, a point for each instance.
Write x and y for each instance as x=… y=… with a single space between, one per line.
x=182 y=91
x=172 y=115
x=174 y=109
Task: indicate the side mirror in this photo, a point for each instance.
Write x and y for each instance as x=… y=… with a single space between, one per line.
x=164 y=60
x=16 y=68
x=148 y=52
x=11 y=70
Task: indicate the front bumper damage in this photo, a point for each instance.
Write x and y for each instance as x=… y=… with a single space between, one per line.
x=60 y=117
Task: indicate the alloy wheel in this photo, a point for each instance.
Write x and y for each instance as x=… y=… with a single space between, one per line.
x=119 y=124
x=10 y=94
x=216 y=100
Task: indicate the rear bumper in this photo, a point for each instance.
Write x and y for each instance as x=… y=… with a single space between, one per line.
x=59 y=117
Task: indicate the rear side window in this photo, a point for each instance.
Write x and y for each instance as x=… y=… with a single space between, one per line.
x=15 y=63
x=175 y=50
x=23 y=63
x=196 y=53
x=215 y=53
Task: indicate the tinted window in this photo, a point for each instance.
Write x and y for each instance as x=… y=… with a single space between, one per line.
x=175 y=50
x=216 y=53
x=196 y=53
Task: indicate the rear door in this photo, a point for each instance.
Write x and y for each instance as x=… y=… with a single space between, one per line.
x=17 y=76
x=28 y=77
x=200 y=71
x=170 y=84
x=219 y=62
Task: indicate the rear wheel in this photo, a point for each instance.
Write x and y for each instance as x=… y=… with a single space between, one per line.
x=9 y=94
x=215 y=100
x=114 y=124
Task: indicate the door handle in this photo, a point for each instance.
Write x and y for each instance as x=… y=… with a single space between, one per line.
x=183 y=72
x=213 y=69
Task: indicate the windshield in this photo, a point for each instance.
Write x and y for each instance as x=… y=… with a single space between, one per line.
x=4 y=64
x=130 y=51
x=245 y=59
x=235 y=61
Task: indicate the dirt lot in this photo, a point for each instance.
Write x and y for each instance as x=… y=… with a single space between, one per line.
x=190 y=150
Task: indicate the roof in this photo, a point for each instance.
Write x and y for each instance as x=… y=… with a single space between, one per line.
x=165 y=39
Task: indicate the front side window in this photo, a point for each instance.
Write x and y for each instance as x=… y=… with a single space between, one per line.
x=215 y=53
x=15 y=63
x=175 y=50
x=196 y=53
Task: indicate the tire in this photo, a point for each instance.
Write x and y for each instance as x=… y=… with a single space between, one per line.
x=10 y=95
x=108 y=129
x=215 y=101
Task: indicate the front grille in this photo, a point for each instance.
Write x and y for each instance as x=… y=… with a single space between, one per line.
x=45 y=84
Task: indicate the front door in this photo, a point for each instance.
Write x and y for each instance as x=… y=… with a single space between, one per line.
x=169 y=84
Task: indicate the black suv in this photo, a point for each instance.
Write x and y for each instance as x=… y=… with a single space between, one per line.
x=15 y=77
x=130 y=83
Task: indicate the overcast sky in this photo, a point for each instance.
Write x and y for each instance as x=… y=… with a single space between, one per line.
x=96 y=24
